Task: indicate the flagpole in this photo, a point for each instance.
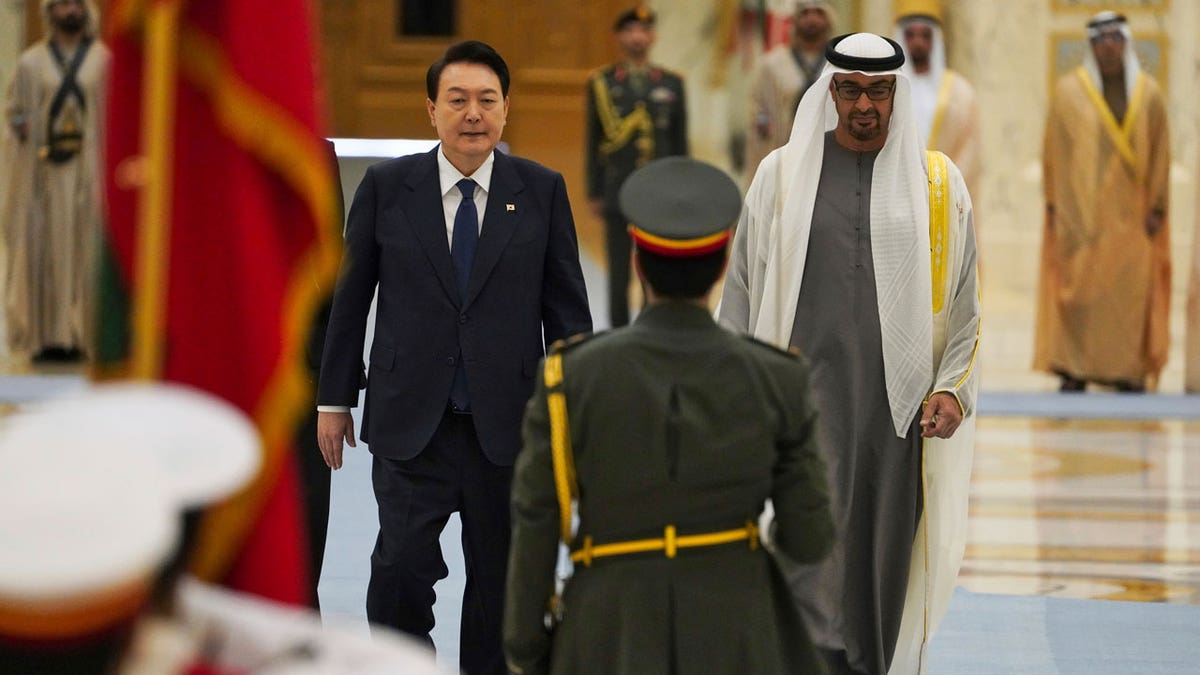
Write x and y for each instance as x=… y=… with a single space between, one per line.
x=155 y=200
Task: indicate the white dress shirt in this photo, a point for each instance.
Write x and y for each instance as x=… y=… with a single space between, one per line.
x=448 y=178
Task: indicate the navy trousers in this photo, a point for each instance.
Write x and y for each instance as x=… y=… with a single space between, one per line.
x=415 y=499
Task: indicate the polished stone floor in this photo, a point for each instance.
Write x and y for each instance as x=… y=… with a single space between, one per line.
x=1077 y=508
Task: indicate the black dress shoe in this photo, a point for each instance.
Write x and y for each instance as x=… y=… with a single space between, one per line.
x=1071 y=384
x=58 y=355
x=72 y=354
x=48 y=355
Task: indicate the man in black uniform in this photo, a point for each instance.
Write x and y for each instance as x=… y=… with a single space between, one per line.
x=668 y=435
x=636 y=113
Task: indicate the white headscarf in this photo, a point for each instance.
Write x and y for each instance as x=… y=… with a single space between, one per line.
x=925 y=101
x=899 y=230
x=1132 y=64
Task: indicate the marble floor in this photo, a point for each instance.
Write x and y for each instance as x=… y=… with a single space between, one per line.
x=1099 y=509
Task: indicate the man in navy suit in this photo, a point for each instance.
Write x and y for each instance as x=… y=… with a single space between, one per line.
x=477 y=263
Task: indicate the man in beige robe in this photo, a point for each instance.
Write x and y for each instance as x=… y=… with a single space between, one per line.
x=1105 y=284
x=944 y=101
x=1191 y=378
x=50 y=185
x=782 y=77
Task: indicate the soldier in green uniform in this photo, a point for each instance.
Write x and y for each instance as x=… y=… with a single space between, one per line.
x=636 y=113
x=665 y=438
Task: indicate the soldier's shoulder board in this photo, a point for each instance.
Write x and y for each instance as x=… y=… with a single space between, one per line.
x=565 y=345
x=791 y=353
x=602 y=71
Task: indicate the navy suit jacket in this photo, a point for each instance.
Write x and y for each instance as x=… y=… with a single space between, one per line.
x=526 y=290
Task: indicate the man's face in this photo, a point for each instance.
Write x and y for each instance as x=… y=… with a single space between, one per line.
x=864 y=119
x=1109 y=48
x=635 y=40
x=811 y=24
x=469 y=113
x=68 y=16
x=918 y=41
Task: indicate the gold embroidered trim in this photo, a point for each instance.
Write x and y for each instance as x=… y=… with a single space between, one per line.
x=618 y=131
x=939 y=225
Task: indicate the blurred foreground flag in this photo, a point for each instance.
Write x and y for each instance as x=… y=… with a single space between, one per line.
x=222 y=243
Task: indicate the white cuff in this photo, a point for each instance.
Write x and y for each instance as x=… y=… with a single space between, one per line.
x=333 y=408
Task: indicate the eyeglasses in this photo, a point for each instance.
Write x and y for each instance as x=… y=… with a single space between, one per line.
x=875 y=92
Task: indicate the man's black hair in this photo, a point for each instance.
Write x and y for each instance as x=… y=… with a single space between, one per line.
x=681 y=278
x=469 y=51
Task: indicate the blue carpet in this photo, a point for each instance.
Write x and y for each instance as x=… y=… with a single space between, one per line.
x=1090 y=405
x=1033 y=635
x=28 y=388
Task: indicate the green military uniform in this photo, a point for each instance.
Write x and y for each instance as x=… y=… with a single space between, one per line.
x=633 y=117
x=675 y=433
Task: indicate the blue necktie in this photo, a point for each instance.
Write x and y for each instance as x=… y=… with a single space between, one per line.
x=466 y=236
x=462 y=255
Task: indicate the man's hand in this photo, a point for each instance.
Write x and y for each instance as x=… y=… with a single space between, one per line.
x=597 y=206
x=1154 y=223
x=941 y=416
x=332 y=429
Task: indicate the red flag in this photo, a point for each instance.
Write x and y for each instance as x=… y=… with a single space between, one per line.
x=777 y=24
x=222 y=242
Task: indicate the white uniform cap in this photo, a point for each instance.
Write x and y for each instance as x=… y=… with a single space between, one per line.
x=206 y=447
x=82 y=535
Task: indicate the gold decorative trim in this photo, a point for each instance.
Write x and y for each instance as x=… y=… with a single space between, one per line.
x=560 y=445
x=618 y=131
x=939 y=225
x=1097 y=554
x=1002 y=511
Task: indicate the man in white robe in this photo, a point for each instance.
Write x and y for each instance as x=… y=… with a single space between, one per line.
x=857 y=249
x=782 y=77
x=944 y=103
x=50 y=184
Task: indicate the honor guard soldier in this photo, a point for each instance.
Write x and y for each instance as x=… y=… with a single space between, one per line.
x=665 y=439
x=636 y=113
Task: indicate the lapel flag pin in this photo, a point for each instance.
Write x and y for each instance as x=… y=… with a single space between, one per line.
x=510 y=207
